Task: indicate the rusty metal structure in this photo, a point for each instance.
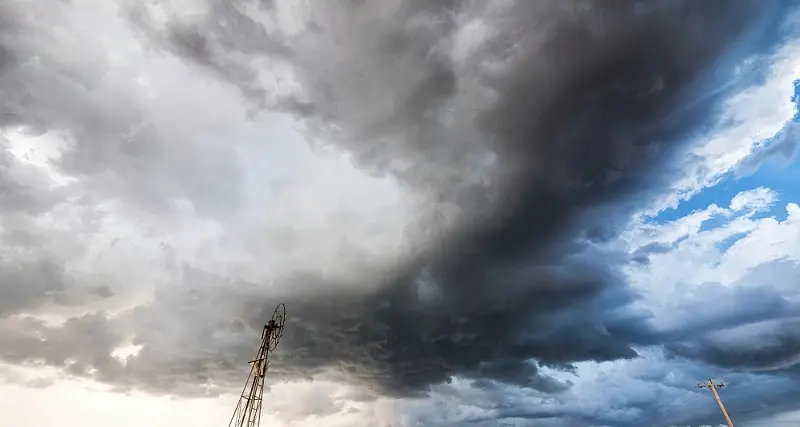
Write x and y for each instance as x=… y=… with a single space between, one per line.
x=248 y=410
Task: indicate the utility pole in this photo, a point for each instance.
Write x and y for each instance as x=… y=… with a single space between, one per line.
x=713 y=387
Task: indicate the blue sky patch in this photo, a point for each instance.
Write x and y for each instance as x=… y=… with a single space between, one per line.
x=778 y=170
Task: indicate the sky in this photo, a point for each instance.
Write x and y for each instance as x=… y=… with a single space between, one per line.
x=507 y=213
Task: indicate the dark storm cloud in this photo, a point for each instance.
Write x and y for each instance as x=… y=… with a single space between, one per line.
x=571 y=104
x=401 y=339
x=765 y=346
x=81 y=345
x=752 y=325
x=546 y=136
x=549 y=132
x=390 y=340
x=609 y=72
x=402 y=343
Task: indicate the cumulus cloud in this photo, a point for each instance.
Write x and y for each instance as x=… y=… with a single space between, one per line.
x=749 y=320
x=452 y=233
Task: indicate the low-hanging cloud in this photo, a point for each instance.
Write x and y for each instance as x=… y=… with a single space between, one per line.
x=532 y=129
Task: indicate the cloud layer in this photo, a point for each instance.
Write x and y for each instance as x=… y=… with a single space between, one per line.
x=463 y=225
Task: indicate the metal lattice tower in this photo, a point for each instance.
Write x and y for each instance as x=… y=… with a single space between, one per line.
x=248 y=410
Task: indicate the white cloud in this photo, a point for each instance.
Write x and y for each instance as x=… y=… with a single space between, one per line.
x=748 y=120
x=694 y=258
x=754 y=200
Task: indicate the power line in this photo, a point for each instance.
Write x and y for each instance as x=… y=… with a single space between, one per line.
x=688 y=396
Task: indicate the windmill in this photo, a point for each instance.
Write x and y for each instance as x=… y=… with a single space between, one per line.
x=248 y=410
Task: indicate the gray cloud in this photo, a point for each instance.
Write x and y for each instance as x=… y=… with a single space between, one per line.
x=29 y=283
x=117 y=145
x=749 y=326
x=761 y=346
x=545 y=136
x=82 y=345
x=403 y=344
x=36 y=284
x=24 y=189
x=579 y=108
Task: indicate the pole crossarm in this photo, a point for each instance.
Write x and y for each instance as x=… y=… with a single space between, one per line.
x=714 y=387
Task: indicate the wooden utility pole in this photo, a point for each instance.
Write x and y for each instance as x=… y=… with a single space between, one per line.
x=713 y=387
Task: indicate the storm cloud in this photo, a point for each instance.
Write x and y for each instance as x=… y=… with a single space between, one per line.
x=529 y=134
x=553 y=116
